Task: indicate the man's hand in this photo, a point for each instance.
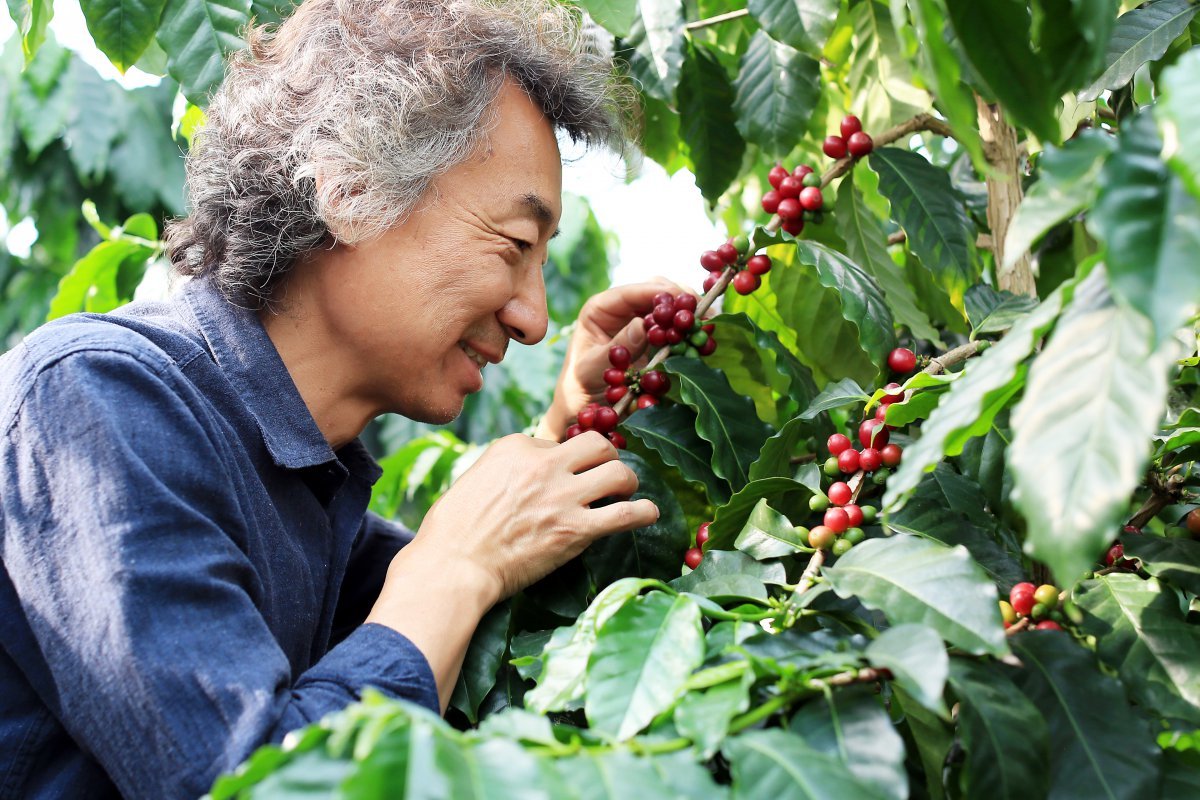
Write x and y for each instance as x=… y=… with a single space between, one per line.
x=610 y=318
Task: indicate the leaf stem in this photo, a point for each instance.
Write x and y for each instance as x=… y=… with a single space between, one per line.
x=953 y=357
x=717 y=20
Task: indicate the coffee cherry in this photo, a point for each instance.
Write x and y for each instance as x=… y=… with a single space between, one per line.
x=816 y=217
x=1006 y=613
x=770 y=201
x=656 y=336
x=746 y=282
x=711 y=260
x=850 y=126
x=812 y=179
x=839 y=493
x=802 y=171
x=872 y=433
x=902 y=360
x=741 y=243
x=891 y=455
x=848 y=461
x=613 y=394
x=1192 y=521
x=663 y=298
x=1115 y=554
x=801 y=533
x=664 y=314
x=606 y=419
x=790 y=209
x=698 y=339
x=709 y=328
x=710 y=281
x=1048 y=625
x=646 y=400
x=673 y=334
x=1132 y=529
x=893 y=393
x=820 y=537
x=837 y=443
x=870 y=459
x=614 y=377
x=573 y=431
x=618 y=356
x=1047 y=595
x=881 y=413
x=854 y=535
x=1021 y=598
x=869 y=513
x=790 y=187
x=655 y=382
x=841 y=546
x=728 y=253
x=793 y=226
x=759 y=264
x=702 y=533
x=834 y=147
x=854 y=513
x=617 y=439
x=860 y=144
x=684 y=320
x=880 y=477
x=818 y=502
x=831 y=468
x=693 y=557
x=836 y=519
x=685 y=301
x=1039 y=610
x=811 y=199
x=709 y=347
x=586 y=418
x=776 y=175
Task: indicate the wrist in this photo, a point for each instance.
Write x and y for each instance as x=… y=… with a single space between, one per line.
x=426 y=572
x=553 y=424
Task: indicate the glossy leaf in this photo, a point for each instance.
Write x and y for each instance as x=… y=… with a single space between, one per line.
x=197 y=35
x=618 y=774
x=91 y=285
x=1094 y=397
x=780 y=765
x=775 y=458
x=146 y=164
x=32 y=18
x=844 y=393
x=657 y=43
x=932 y=736
x=917 y=660
x=1151 y=225
x=482 y=661
x=929 y=209
x=1140 y=35
x=777 y=88
x=708 y=122
x=730 y=518
x=802 y=24
x=882 y=81
x=1073 y=38
x=1177 y=110
x=617 y=16
x=1003 y=733
x=768 y=534
x=731 y=574
x=122 y=29
x=1175 y=561
x=670 y=431
x=1141 y=633
x=916 y=580
x=704 y=717
x=1098 y=740
x=990 y=311
x=724 y=419
x=643 y=656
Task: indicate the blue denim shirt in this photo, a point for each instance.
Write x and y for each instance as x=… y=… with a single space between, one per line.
x=186 y=564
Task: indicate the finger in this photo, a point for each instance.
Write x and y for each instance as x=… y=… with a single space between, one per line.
x=625 y=515
x=614 y=308
x=610 y=479
x=633 y=338
x=587 y=450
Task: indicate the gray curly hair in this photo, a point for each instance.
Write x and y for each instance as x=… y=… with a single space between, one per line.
x=377 y=97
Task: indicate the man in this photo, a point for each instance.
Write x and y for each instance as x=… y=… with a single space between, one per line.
x=188 y=573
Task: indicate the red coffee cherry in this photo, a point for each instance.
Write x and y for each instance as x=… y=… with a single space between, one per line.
x=702 y=533
x=693 y=557
x=1021 y=597
x=793 y=226
x=848 y=461
x=836 y=519
x=685 y=301
x=646 y=400
x=881 y=412
x=1047 y=625
x=790 y=208
x=1192 y=521
x=664 y=314
x=839 y=493
x=746 y=282
x=614 y=377
x=709 y=282
x=834 y=147
x=770 y=201
x=728 y=253
x=674 y=335
x=684 y=320
x=711 y=260
x=586 y=418
x=573 y=431
x=656 y=382
x=870 y=460
x=893 y=394
x=850 y=126
x=873 y=433
x=709 y=347
x=790 y=187
x=613 y=394
x=811 y=199
x=902 y=360
x=656 y=336
x=1115 y=554
x=606 y=419
x=891 y=455
x=777 y=174
x=618 y=356
x=853 y=513
x=802 y=170
x=860 y=144
x=759 y=264
x=617 y=439
x=837 y=443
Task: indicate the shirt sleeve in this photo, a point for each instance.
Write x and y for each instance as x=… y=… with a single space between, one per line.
x=120 y=535
x=377 y=543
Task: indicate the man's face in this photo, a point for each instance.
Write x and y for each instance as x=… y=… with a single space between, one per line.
x=419 y=307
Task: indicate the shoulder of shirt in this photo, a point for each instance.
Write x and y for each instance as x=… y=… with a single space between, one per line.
x=144 y=343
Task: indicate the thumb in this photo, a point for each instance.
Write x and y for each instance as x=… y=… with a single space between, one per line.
x=633 y=338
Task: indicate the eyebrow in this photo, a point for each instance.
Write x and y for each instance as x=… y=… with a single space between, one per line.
x=539 y=209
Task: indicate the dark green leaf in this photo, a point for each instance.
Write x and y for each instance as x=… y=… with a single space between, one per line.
x=1098 y=740
x=643 y=656
x=920 y=581
x=777 y=88
x=197 y=35
x=836 y=395
x=724 y=419
x=1140 y=35
x=1181 y=777
x=482 y=661
x=768 y=534
x=802 y=24
x=730 y=517
x=930 y=210
x=122 y=29
x=617 y=16
x=1176 y=561
x=1003 y=733
x=579 y=260
x=1151 y=225
x=731 y=574
x=1177 y=110
x=657 y=43
x=990 y=311
x=917 y=660
x=708 y=123
x=781 y=766
x=704 y=717
x=775 y=459
x=931 y=736
x=1094 y=397
x=1142 y=634
x=670 y=431
x=146 y=165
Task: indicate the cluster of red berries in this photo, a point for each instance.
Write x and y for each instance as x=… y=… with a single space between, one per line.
x=649 y=386
x=735 y=253
x=795 y=197
x=1038 y=603
x=695 y=555
x=672 y=322
x=1115 y=557
x=602 y=419
x=852 y=141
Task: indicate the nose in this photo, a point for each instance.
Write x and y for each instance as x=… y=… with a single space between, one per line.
x=524 y=316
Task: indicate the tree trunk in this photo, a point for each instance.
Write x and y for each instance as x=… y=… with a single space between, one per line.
x=1004 y=195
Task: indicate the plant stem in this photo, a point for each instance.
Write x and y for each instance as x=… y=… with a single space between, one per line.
x=1162 y=494
x=921 y=122
x=717 y=20
x=1017 y=627
x=1003 y=152
x=952 y=357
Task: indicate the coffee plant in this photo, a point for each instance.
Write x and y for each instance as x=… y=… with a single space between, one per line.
x=927 y=475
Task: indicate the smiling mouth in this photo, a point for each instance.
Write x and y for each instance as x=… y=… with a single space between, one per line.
x=478 y=359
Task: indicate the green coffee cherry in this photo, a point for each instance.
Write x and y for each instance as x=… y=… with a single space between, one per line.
x=831 y=467
x=698 y=339
x=880 y=476
x=801 y=534
x=841 y=546
x=854 y=535
x=679 y=348
x=741 y=244
x=691 y=352
x=869 y=513
x=818 y=502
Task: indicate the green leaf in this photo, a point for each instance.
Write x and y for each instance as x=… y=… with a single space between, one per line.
x=1098 y=740
x=1177 y=110
x=32 y=18
x=836 y=395
x=865 y=245
x=1176 y=561
x=1181 y=777
x=730 y=518
x=919 y=581
x=670 y=431
x=708 y=122
x=197 y=35
x=146 y=165
x=882 y=81
x=482 y=661
x=777 y=89
x=759 y=366
x=918 y=662
x=1068 y=178
x=768 y=534
x=618 y=775
x=1072 y=37
x=1141 y=633
x=802 y=24
x=95 y=122
x=91 y=285
x=578 y=262
x=973 y=401
x=731 y=574
x=566 y=656
x=1005 y=737
x=781 y=766
x=724 y=419
x=704 y=717
x=775 y=459
x=854 y=727
x=930 y=210
x=932 y=736
x=657 y=45
x=122 y=29
x=617 y=16
x=990 y=311
x=995 y=36
x=1151 y=225
x=1140 y=35
x=1095 y=395
x=643 y=656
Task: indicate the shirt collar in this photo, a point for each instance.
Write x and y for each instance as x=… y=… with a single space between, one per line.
x=240 y=345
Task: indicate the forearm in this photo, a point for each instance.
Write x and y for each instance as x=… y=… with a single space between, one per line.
x=437 y=603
